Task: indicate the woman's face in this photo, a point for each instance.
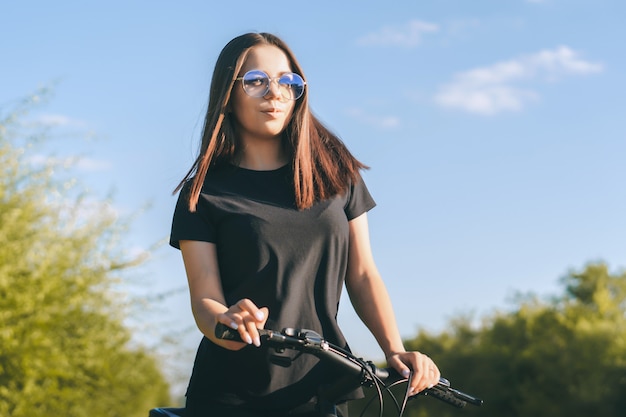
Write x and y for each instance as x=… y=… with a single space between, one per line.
x=262 y=118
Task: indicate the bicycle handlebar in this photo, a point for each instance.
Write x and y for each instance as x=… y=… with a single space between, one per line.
x=364 y=372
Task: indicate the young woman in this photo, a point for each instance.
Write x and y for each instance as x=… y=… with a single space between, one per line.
x=271 y=222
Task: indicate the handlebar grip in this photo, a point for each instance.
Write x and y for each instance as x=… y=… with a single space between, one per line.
x=446 y=396
x=466 y=397
x=442 y=391
x=224 y=332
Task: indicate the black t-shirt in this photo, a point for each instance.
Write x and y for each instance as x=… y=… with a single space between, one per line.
x=292 y=261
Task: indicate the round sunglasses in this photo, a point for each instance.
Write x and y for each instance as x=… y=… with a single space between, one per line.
x=256 y=83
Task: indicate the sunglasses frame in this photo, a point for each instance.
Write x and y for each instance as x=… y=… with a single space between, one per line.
x=270 y=79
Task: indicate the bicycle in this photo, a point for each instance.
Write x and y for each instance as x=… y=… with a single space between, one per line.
x=358 y=373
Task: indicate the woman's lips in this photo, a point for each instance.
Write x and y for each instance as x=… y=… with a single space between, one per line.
x=274 y=112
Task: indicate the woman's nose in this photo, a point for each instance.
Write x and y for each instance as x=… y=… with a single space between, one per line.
x=274 y=90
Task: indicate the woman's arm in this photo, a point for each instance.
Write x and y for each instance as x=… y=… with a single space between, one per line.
x=371 y=302
x=208 y=304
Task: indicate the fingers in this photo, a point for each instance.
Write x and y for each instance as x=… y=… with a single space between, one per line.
x=424 y=373
x=245 y=317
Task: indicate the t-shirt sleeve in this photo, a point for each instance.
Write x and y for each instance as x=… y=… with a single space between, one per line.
x=187 y=225
x=359 y=200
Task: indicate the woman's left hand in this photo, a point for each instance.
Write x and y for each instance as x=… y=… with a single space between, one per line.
x=425 y=372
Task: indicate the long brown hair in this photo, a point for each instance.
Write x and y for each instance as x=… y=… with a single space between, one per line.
x=322 y=164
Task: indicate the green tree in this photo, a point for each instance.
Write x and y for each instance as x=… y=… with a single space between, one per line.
x=562 y=357
x=64 y=348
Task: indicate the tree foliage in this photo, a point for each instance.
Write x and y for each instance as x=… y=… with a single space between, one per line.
x=64 y=349
x=561 y=357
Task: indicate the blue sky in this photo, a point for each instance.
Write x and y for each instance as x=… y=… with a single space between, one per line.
x=494 y=129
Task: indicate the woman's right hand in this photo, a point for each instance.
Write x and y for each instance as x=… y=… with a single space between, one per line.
x=245 y=317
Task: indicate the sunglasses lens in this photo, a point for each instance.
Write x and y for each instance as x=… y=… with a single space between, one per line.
x=291 y=86
x=256 y=83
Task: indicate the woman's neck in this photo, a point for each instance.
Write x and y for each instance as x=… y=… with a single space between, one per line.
x=262 y=156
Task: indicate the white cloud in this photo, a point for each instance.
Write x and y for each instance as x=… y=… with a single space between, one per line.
x=138 y=252
x=58 y=120
x=83 y=164
x=460 y=27
x=408 y=35
x=381 y=122
x=493 y=89
x=92 y=208
x=91 y=165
